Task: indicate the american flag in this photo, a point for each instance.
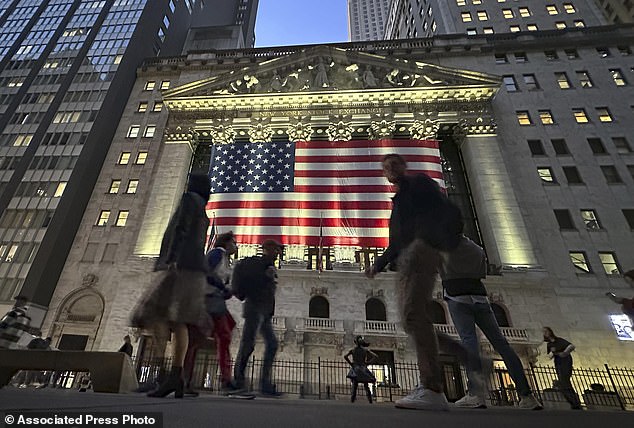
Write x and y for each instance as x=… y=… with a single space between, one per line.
x=311 y=193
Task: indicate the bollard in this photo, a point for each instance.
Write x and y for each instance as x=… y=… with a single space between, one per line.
x=327 y=392
x=301 y=391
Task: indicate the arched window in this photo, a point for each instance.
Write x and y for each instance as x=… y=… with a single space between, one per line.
x=437 y=313
x=375 y=310
x=318 y=307
x=500 y=315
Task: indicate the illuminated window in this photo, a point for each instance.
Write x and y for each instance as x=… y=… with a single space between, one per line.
x=508 y=13
x=569 y=8
x=563 y=81
x=532 y=27
x=461 y=2
x=604 y=114
x=132 y=186
x=621 y=144
x=158 y=106
x=584 y=79
x=122 y=218
x=552 y=9
x=471 y=32
x=149 y=131
x=515 y=29
x=59 y=191
x=114 y=186
x=572 y=174
x=579 y=23
x=103 y=218
x=141 y=158
x=142 y=107
x=482 y=15
x=117 y=59
x=523 y=118
x=488 y=30
x=546 y=175
x=22 y=140
x=610 y=265
x=476 y=1
x=590 y=219
x=560 y=25
x=133 y=131
x=466 y=16
x=580 y=262
x=546 y=117
x=611 y=175
x=510 y=84
x=150 y=85
x=618 y=78
x=124 y=158
x=525 y=12
x=165 y=84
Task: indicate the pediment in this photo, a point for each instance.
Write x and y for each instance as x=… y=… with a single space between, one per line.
x=326 y=68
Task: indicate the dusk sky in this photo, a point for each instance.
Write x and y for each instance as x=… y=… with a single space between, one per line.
x=298 y=22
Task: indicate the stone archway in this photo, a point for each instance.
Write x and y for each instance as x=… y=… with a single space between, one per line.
x=78 y=319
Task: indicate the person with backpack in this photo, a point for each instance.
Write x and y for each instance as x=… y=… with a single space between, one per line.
x=254 y=281
x=422 y=224
x=359 y=372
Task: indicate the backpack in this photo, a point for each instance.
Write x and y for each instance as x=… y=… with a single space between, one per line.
x=248 y=275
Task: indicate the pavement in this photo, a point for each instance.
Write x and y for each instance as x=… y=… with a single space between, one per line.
x=215 y=411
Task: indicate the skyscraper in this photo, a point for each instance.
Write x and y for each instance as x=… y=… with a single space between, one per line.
x=66 y=70
x=366 y=19
x=617 y=11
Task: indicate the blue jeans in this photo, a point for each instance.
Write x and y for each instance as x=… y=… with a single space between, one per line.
x=465 y=318
x=252 y=322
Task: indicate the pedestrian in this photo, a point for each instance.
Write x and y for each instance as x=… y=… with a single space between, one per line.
x=217 y=292
x=176 y=299
x=126 y=348
x=359 y=372
x=462 y=271
x=15 y=325
x=421 y=224
x=255 y=281
x=559 y=350
x=627 y=305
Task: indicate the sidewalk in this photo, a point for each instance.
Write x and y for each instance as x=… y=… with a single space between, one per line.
x=214 y=411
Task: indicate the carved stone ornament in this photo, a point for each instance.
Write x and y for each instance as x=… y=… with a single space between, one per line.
x=424 y=129
x=261 y=131
x=375 y=293
x=318 y=291
x=382 y=128
x=299 y=130
x=178 y=134
x=223 y=133
x=89 y=280
x=340 y=131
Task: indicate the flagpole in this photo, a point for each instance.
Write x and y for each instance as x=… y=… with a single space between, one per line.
x=320 y=264
x=212 y=234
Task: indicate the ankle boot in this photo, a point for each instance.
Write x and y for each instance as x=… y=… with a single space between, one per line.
x=173 y=383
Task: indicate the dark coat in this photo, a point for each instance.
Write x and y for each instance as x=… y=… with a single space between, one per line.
x=254 y=280
x=184 y=239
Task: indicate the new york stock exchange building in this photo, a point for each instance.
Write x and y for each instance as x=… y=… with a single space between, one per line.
x=292 y=138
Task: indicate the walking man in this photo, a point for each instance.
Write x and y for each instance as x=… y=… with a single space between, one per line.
x=559 y=350
x=254 y=281
x=126 y=348
x=420 y=226
x=462 y=272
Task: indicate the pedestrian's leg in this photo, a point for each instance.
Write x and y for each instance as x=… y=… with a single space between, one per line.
x=464 y=320
x=247 y=344
x=368 y=392
x=565 y=374
x=270 y=349
x=222 y=334
x=355 y=385
x=190 y=357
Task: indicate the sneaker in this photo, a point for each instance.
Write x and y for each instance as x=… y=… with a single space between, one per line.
x=270 y=391
x=530 y=403
x=471 y=402
x=423 y=399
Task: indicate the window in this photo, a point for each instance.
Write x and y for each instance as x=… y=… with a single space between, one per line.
x=590 y=219
x=124 y=158
x=375 y=310
x=466 y=17
x=580 y=115
x=569 y=8
x=501 y=59
x=158 y=106
x=524 y=12
x=618 y=78
x=562 y=80
x=560 y=147
x=508 y=13
x=122 y=218
x=579 y=23
x=572 y=175
x=461 y=2
x=610 y=265
x=629 y=217
x=532 y=27
x=560 y=25
x=564 y=219
x=546 y=175
x=471 y=32
x=114 y=186
x=520 y=57
x=536 y=147
x=150 y=85
x=133 y=131
x=604 y=52
x=515 y=29
x=571 y=53
x=142 y=107
x=149 y=131
x=621 y=144
x=611 y=174
x=109 y=253
x=624 y=50
x=584 y=79
x=132 y=186
x=165 y=84
x=596 y=145
x=510 y=84
x=531 y=82
x=482 y=15
x=580 y=262
x=103 y=218
x=141 y=158
x=488 y=30
x=59 y=190
x=318 y=307
x=523 y=118
x=604 y=114
x=551 y=55
x=552 y=9
x=546 y=117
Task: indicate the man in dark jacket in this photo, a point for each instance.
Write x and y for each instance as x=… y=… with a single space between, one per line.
x=254 y=280
x=421 y=224
x=126 y=348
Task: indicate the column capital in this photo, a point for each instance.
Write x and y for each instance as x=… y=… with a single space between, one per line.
x=222 y=131
x=299 y=129
x=260 y=130
x=381 y=126
x=340 y=128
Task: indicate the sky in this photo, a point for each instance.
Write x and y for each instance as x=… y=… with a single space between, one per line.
x=300 y=22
